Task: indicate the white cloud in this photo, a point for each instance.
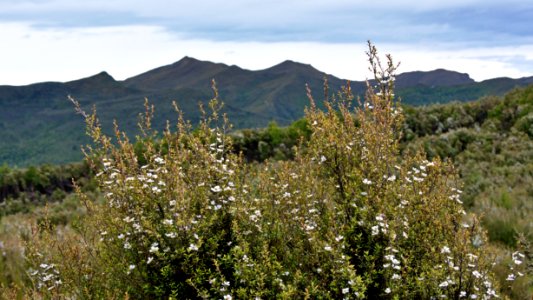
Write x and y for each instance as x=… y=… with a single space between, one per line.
x=52 y=54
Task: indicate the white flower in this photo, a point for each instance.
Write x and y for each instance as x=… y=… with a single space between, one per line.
x=476 y=274
x=391 y=178
x=462 y=294
x=445 y=250
x=193 y=247
x=127 y=245
x=227 y=297
x=396 y=276
x=168 y=222
x=375 y=230
x=150 y=259
x=154 y=248
x=327 y=248
x=172 y=203
x=511 y=277
x=345 y=290
x=128 y=219
x=171 y=235
x=387 y=291
x=322 y=158
x=367 y=181
x=216 y=189
x=443 y=284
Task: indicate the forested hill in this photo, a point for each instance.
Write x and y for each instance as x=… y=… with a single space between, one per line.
x=489 y=140
x=38 y=124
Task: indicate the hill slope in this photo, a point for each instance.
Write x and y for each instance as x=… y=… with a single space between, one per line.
x=38 y=124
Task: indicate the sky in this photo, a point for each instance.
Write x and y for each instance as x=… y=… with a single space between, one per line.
x=62 y=40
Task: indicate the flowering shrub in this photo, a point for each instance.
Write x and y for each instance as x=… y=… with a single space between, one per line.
x=348 y=218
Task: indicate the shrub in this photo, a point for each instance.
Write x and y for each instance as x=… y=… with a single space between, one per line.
x=348 y=218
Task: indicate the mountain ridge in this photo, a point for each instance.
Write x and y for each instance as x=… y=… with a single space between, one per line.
x=37 y=121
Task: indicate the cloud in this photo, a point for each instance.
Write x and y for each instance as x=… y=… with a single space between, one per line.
x=59 y=54
x=338 y=21
x=64 y=39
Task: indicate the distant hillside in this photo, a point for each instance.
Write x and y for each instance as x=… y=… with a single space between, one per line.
x=38 y=124
x=436 y=78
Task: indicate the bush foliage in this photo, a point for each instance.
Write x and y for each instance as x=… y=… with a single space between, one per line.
x=349 y=217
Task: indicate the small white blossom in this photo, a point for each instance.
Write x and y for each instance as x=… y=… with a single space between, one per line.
x=171 y=235
x=154 y=248
x=128 y=219
x=375 y=230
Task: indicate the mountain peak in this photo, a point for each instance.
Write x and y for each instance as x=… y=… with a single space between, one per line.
x=101 y=78
x=291 y=66
x=186 y=72
x=438 y=77
x=188 y=60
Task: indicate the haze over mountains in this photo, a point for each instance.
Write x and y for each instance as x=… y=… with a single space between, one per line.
x=38 y=123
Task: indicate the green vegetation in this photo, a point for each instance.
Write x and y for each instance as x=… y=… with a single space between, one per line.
x=37 y=124
x=341 y=204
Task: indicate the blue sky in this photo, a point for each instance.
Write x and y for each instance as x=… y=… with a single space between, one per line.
x=59 y=40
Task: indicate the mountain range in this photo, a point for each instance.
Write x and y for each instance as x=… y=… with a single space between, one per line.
x=38 y=124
